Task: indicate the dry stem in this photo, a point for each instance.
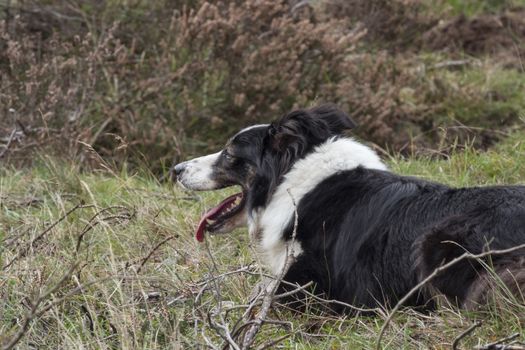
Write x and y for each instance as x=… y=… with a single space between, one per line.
x=271 y=289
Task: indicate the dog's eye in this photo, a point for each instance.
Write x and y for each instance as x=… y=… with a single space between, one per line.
x=227 y=156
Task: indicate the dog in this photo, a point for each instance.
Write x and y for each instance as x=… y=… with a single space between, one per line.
x=364 y=235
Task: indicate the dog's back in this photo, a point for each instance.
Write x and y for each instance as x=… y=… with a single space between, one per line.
x=369 y=236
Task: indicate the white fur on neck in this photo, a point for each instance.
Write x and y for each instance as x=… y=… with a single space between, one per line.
x=329 y=158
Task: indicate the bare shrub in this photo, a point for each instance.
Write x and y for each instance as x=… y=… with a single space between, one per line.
x=207 y=70
x=488 y=33
x=394 y=23
x=116 y=82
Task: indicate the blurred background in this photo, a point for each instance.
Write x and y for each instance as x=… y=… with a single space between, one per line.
x=143 y=83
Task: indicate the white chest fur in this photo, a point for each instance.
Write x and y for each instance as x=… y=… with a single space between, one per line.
x=327 y=159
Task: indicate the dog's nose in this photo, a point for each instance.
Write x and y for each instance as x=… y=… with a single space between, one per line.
x=179 y=168
x=175 y=171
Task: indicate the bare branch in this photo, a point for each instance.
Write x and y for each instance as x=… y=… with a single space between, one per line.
x=35 y=305
x=292 y=292
x=272 y=343
x=455 y=344
x=33 y=311
x=24 y=251
x=271 y=289
x=499 y=344
x=8 y=144
x=153 y=252
x=225 y=334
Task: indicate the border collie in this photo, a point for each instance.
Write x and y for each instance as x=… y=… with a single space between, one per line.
x=365 y=236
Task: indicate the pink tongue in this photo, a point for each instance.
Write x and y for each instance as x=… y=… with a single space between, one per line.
x=213 y=213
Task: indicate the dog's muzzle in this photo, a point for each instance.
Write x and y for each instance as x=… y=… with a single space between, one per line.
x=196 y=174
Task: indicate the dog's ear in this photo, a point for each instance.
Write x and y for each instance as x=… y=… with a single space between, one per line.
x=301 y=129
x=282 y=135
x=336 y=120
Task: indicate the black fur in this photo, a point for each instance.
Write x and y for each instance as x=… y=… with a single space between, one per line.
x=370 y=236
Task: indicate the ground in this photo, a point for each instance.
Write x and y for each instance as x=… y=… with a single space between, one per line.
x=123 y=270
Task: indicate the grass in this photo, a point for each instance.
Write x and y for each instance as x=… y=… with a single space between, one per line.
x=136 y=294
x=502 y=164
x=479 y=93
x=470 y=8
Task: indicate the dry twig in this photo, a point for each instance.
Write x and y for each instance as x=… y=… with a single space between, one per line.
x=36 y=309
x=8 y=144
x=270 y=344
x=455 y=344
x=24 y=251
x=500 y=344
x=150 y=254
x=271 y=289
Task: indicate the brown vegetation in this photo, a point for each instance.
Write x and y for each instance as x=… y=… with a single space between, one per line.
x=143 y=82
x=484 y=34
x=203 y=71
x=393 y=23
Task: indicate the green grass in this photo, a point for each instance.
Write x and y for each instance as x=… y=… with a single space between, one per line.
x=470 y=8
x=163 y=304
x=478 y=93
x=482 y=96
x=503 y=164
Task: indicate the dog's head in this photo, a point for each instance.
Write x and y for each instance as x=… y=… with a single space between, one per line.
x=256 y=159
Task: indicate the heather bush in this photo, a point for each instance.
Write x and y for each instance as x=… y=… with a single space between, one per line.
x=144 y=82
x=393 y=24
x=208 y=69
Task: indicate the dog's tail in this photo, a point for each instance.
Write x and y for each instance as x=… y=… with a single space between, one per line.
x=470 y=282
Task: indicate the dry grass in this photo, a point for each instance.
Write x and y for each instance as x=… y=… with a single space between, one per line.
x=122 y=270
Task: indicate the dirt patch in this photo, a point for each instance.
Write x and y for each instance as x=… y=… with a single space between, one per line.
x=484 y=34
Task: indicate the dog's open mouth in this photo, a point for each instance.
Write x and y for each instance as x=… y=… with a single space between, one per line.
x=215 y=218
